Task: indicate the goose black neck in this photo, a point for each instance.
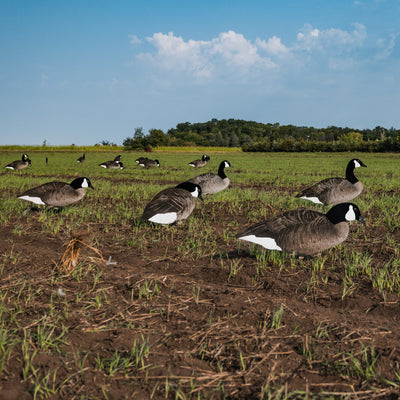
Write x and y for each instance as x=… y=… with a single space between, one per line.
x=336 y=214
x=221 y=170
x=350 y=172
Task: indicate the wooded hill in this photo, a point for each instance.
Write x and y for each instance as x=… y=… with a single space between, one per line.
x=256 y=136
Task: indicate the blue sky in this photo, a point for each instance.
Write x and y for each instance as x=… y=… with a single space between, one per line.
x=91 y=70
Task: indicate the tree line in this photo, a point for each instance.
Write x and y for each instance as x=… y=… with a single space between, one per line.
x=256 y=136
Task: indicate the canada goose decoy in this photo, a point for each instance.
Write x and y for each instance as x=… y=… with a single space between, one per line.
x=19 y=164
x=213 y=183
x=172 y=204
x=305 y=232
x=149 y=163
x=200 y=163
x=335 y=190
x=82 y=158
x=112 y=165
x=57 y=194
x=141 y=159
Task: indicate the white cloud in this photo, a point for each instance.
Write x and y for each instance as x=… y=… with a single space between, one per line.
x=386 y=46
x=134 y=40
x=239 y=51
x=232 y=54
x=312 y=39
x=273 y=46
x=173 y=53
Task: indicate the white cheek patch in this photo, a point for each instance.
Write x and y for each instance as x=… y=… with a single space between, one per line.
x=356 y=164
x=313 y=199
x=85 y=183
x=35 y=200
x=350 y=215
x=167 y=218
x=267 y=242
x=227 y=165
x=195 y=193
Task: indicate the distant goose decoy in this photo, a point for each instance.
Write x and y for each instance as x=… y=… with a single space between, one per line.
x=82 y=158
x=149 y=163
x=305 y=232
x=112 y=165
x=213 y=183
x=335 y=190
x=57 y=194
x=200 y=163
x=141 y=159
x=172 y=205
x=19 y=164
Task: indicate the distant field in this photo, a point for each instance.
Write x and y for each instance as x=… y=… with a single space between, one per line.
x=188 y=312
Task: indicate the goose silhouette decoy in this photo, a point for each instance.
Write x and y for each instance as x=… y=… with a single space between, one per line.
x=335 y=190
x=57 y=194
x=172 y=205
x=20 y=164
x=213 y=183
x=200 y=163
x=149 y=163
x=112 y=165
x=82 y=158
x=303 y=231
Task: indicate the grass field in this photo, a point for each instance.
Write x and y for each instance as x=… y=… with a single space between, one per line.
x=96 y=304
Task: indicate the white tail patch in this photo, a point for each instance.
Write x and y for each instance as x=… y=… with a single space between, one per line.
x=350 y=215
x=167 y=218
x=267 y=242
x=313 y=199
x=9 y=167
x=102 y=165
x=35 y=200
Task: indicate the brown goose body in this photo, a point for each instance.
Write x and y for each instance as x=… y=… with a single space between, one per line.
x=335 y=190
x=172 y=205
x=141 y=159
x=57 y=194
x=82 y=158
x=213 y=183
x=304 y=231
x=200 y=163
x=19 y=164
x=112 y=165
x=149 y=163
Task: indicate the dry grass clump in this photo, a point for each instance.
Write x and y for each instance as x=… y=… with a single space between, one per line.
x=71 y=256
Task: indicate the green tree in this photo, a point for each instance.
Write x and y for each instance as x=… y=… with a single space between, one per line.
x=156 y=137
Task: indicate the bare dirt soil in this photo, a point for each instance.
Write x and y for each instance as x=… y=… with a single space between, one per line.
x=273 y=333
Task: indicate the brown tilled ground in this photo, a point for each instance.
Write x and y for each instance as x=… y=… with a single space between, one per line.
x=277 y=333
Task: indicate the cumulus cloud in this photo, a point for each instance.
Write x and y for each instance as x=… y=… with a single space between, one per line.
x=273 y=46
x=232 y=53
x=173 y=53
x=331 y=40
x=237 y=50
